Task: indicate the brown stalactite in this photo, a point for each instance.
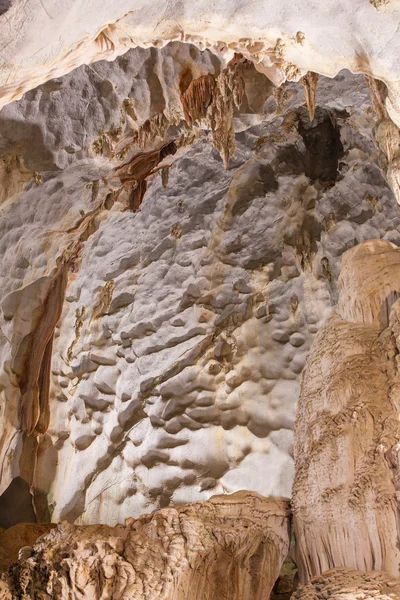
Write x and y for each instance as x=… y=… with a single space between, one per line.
x=197 y=98
x=228 y=95
x=133 y=173
x=378 y=92
x=387 y=134
x=136 y=196
x=310 y=82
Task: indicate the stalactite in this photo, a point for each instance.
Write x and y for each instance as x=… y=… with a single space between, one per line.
x=228 y=95
x=165 y=177
x=197 y=98
x=387 y=134
x=378 y=93
x=115 y=142
x=310 y=82
x=133 y=174
x=137 y=194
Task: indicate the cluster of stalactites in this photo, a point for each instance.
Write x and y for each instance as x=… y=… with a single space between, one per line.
x=213 y=100
x=387 y=134
x=207 y=100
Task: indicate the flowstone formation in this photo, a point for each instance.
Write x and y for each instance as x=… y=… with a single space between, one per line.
x=183 y=553
x=180 y=187
x=348 y=584
x=346 y=500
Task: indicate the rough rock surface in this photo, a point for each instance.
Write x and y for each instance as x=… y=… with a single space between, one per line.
x=346 y=499
x=173 y=371
x=18 y=537
x=229 y=547
x=285 y=39
x=348 y=584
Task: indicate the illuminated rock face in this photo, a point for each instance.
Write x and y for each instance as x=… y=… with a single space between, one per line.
x=347 y=437
x=153 y=357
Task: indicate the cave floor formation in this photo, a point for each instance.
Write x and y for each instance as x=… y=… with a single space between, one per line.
x=199 y=301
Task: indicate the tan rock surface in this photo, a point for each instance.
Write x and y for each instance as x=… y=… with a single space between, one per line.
x=229 y=547
x=19 y=536
x=346 y=486
x=348 y=584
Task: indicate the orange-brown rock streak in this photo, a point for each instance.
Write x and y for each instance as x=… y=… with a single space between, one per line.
x=34 y=381
x=133 y=173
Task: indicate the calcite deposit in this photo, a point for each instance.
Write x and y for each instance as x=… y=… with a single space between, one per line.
x=347 y=435
x=199 y=299
x=229 y=547
x=348 y=584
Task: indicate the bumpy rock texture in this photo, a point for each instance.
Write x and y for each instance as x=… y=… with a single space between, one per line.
x=346 y=495
x=230 y=547
x=348 y=584
x=184 y=327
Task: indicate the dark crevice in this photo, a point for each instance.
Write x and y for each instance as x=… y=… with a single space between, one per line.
x=322 y=150
x=16 y=504
x=5 y=5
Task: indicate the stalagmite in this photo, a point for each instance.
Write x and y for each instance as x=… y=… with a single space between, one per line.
x=345 y=494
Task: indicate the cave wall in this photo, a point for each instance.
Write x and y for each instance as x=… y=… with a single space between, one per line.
x=178 y=195
x=184 y=327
